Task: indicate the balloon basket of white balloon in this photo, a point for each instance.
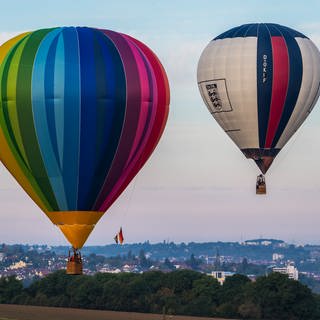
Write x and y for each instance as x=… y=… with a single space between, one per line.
x=74 y=264
x=261 y=185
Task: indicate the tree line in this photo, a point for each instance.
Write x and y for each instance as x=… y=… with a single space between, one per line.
x=184 y=292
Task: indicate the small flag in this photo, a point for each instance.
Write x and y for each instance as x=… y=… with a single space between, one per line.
x=119 y=237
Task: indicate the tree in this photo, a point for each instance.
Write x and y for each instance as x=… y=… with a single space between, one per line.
x=244 y=265
x=249 y=310
x=193 y=262
x=130 y=256
x=232 y=295
x=143 y=261
x=184 y=292
x=202 y=299
x=168 y=264
x=9 y=289
x=281 y=298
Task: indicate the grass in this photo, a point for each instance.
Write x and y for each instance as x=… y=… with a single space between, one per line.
x=19 y=312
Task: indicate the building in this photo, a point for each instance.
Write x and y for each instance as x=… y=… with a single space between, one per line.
x=18 y=265
x=277 y=256
x=221 y=275
x=289 y=270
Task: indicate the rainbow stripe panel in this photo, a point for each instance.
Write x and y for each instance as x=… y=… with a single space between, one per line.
x=81 y=109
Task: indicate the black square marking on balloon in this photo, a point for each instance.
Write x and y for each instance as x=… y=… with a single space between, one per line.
x=216 y=95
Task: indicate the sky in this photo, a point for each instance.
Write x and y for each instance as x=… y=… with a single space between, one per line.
x=197 y=186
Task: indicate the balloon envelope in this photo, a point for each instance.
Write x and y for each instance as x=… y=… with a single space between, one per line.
x=260 y=82
x=81 y=110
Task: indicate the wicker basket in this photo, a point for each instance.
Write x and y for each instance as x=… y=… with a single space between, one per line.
x=74 y=267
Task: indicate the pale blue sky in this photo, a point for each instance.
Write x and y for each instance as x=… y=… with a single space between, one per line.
x=197 y=186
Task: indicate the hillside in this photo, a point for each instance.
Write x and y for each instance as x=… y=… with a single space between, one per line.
x=184 y=292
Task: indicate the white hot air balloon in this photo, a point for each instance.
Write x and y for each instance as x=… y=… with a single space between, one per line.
x=260 y=82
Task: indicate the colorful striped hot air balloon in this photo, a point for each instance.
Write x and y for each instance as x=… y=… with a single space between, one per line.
x=260 y=82
x=81 y=110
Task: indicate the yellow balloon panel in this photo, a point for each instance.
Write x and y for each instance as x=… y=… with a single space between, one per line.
x=75 y=225
x=74 y=217
x=25 y=181
x=5 y=48
x=76 y=234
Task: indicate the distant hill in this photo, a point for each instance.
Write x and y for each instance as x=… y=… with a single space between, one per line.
x=264 y=241
x=254 y=249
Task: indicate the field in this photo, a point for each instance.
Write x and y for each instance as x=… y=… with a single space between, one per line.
x=17 y=312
